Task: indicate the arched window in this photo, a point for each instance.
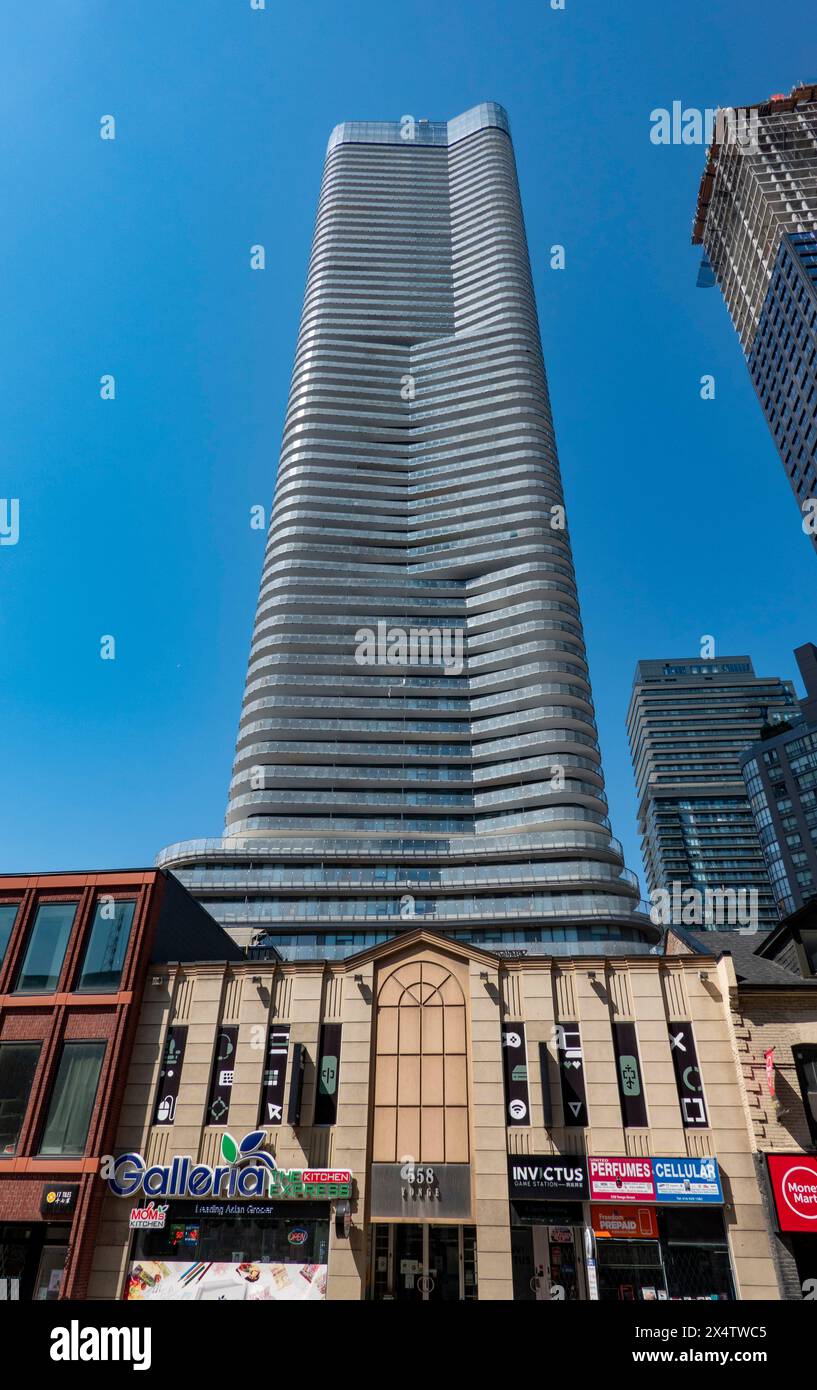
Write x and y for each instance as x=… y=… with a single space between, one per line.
x=421 y=1082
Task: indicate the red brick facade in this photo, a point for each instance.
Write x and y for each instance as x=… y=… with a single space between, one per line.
x=66 y=1016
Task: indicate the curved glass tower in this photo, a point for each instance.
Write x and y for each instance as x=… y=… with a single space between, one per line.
x=417 y=741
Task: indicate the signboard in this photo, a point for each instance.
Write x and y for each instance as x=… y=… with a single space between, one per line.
x=515 y=1067
x=571 y=1075
x=421 y=1191
x=275 y=1076
x=216 y=1282
x=149 y=1218
x=248 y=1171
x=628 y=1068
x=170 y=1076
x=621 y=1179
x=59 y=1200
x=687 y=1180
x=625 y=1223
x=687 y=1076
x=794 y=1183
x=547 y=1177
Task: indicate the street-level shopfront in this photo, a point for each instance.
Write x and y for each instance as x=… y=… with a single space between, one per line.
x=793 y=1180
x=423 y=1240
x=33 y=1252
x=616 y=1228
x=244 y=1229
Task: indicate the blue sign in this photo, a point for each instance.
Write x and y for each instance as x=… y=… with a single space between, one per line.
x=687 y=1180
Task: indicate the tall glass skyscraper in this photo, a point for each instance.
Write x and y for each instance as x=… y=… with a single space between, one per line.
x=417 y=740
x=689 y=721
x=757 y=221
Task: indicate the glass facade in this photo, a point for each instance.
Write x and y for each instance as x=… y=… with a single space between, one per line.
x=47 y=944
x=689 y=724
x=72 y=1099
x=417 y=691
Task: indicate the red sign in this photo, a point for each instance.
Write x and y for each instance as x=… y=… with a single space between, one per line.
x=621 y=1180
x=324 y=1175
x=794 y=1183
x=769 y=1055
x=625 y=1223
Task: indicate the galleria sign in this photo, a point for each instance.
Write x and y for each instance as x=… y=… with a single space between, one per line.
x=248 y=1171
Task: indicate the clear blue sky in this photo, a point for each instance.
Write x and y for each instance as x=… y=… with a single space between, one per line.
x=131 y=257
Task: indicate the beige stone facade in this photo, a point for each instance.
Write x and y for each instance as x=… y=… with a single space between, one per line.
x=421 y=1074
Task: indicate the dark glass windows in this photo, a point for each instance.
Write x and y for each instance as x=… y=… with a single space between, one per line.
x=8 y=912
x=45 y=952
x=72 y=1099
x=18 y=1063
x=107 y=945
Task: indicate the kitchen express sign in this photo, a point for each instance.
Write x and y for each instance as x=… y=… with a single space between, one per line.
x=248 y=1171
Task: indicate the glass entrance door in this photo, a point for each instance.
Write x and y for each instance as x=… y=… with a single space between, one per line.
x=420 y=1263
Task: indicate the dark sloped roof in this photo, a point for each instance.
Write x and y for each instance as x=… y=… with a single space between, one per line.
x=750 y=968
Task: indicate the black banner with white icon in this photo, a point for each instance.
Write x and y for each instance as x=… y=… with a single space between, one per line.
x=628 y=1068
x=326 y=1098
x=221 y=1082
x=296 y=1085
x=571 y=1075
x=170 y=1077
x=515 y=1067
x=275 y=1077
x=687 y=1076
x=544 y=1074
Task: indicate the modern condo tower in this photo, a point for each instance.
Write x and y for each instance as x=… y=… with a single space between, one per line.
x=757 y=220
x=417 y=741
x=689 y=721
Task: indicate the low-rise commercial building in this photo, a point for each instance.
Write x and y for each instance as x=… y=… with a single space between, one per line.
x=773 y=1017
x=426 y=1121
x=75 y=950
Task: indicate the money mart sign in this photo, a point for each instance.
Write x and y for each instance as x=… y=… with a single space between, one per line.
x=248 y=1171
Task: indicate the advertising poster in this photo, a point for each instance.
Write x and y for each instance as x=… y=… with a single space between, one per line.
x=687 y=1180
x=170 y=1076
x=794 y=1182
x=275 y=1072
x=571 y=1075
x=179 y=1280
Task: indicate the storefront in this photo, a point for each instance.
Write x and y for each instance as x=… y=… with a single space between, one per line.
x=423 y=1243
x=793 y=1180
x=243 y=1229
x=618 y=1229
x=33 y=1253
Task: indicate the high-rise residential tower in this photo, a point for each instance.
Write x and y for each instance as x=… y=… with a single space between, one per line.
x=780 y=774
x=757 y=221
x=689 y=721
x=417 y=741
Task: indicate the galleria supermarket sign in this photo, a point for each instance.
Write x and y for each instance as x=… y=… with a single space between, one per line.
x=248 y=1171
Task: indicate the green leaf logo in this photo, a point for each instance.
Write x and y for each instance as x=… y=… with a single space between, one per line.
x=229 y=1148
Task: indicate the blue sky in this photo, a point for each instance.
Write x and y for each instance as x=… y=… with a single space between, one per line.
x=131 y=257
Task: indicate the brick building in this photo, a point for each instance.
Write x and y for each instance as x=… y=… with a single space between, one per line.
x=75 y=951
x=772 y=1006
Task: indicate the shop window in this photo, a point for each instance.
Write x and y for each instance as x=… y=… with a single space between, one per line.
x=72 y=1099
x=8 y=912
x=805 y=1061
x=107 y=945
x=47 y=944
x=18 y=1063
